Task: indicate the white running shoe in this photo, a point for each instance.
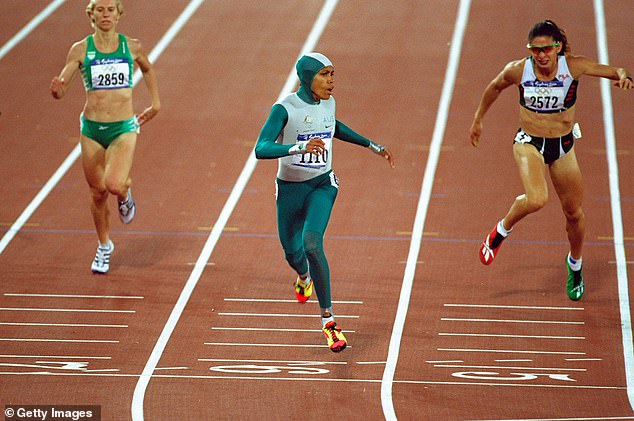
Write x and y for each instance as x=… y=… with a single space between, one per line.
x=127 y=208
x=101 y=264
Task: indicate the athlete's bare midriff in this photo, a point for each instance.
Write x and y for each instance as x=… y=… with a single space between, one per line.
x=547 y=125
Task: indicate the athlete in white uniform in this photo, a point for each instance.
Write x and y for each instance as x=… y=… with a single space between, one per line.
x=548 y=87
x=299 y=132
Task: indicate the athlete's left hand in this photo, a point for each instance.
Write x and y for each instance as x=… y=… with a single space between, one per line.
x=625 y=83
x=387 y=154
x=148 y=114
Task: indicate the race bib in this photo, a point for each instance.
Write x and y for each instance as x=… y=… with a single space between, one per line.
x=544 y=95
x=110 y=73
x=309 y=160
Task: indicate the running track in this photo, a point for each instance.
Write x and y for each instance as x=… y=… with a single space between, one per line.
x=196 y=321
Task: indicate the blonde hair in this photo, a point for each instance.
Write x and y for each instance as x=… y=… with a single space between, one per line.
x=91 y=7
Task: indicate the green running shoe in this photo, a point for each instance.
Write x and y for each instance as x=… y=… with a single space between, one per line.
x=574 y=285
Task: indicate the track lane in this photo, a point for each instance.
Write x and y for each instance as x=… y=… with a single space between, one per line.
x=526 y=271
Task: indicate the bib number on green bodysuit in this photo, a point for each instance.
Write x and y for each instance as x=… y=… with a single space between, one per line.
x=110 y=74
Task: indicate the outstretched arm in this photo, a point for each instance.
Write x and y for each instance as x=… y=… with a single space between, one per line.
x=510 y=75
x=346 y=134
x=585 y=66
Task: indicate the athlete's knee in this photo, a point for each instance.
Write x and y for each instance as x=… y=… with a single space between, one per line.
x=116 y=186
x=295 y=259
x=313 y=244
x=574 y=215
x=535 y=201
x=98 y=193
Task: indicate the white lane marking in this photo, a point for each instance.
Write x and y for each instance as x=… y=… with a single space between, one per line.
x=339 y=316
x=273 y=300
x=172 y=368
x=511 y=351
x=270 y=329
x=132 y=297
x=509 y=368
x=68 y=310
x=495 y=335
x=583 y=359
x=421 y=211
x=58 y=324
x=561 y=322
x=216 y=232
x=564 y=419
x=512 y=306
x=73 y=357
x=99 y=341
x=268 y=345
x=615 y=205
x=227 y=360
x=26 y=30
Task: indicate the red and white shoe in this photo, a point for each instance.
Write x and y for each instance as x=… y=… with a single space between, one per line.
x=490 y=246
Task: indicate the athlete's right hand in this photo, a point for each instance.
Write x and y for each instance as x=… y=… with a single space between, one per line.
x=475 y=132
x=315 y=146
x=57 y=87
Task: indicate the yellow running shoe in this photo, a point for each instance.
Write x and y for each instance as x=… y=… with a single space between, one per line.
x=303 y=293
x=334 y=336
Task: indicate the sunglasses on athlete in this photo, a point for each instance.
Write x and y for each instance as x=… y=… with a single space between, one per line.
x=547 y=49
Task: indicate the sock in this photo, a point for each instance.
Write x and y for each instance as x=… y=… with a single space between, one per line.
x=304 y=280
x=575 y=264
x=326 y=316
x=501 y=230
x=105 y=245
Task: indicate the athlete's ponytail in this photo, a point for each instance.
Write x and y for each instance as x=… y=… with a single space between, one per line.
x=549 y=28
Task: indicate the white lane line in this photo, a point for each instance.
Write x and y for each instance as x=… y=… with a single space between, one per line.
x=131 y=297
x=370 y=362
x=421 y=211
x=58 y=340
x=511 y=351
x=557 y=322
x=583 y=359
x=615 y=204
x=270 y=329
x=292 y=362
x=511 y=306
x=324 y=379
x=68 y=310
x=216 y=231
x=273 y=300
x=65 y=357
x=268 y=345
x=172 y=368
x=26 y=30
x=564 y=419
x=58 y=324
x=339 y=316
x=500 y=367
x=495 y=335
x=515 y=361
x=445 y=362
